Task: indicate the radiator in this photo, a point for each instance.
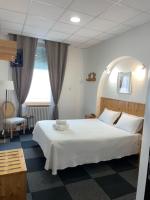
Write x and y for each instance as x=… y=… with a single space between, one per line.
x=38 y=113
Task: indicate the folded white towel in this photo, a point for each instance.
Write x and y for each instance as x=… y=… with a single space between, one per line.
x=61 y=122
x=61 y=127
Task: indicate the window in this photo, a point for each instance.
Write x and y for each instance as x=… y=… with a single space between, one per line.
x=40 y=91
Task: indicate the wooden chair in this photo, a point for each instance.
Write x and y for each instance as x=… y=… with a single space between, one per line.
x=10 y=121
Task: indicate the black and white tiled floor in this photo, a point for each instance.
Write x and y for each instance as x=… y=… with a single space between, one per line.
x=111 y=180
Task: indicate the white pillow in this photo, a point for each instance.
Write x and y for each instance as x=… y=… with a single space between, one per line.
x=130 y=123
x=109 y=116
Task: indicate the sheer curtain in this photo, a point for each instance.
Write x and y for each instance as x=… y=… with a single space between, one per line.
x=40 y=78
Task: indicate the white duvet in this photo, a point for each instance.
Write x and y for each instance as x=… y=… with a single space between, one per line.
x=87 y=141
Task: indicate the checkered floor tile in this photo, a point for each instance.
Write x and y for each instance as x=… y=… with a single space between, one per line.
x=111 y=180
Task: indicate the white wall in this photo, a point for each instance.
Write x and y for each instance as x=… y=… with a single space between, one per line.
x=4 y=72
x=139 y=81
x=70 y=105
x=145 y=151
x=134 y=43
x=4 y=75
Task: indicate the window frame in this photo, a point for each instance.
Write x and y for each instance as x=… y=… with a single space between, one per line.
x=39 y=103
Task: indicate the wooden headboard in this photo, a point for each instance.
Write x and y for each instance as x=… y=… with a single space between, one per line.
x=132 y=108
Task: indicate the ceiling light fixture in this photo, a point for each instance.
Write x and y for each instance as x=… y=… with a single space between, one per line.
x=75 y=19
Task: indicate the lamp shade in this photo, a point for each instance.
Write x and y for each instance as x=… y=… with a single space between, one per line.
x=6 y=85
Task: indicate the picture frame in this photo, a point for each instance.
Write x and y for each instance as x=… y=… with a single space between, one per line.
x=124 y=85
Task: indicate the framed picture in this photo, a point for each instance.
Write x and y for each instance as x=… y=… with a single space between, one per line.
x=124 y=83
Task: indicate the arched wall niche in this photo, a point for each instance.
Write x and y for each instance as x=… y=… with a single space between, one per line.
x=107 y=86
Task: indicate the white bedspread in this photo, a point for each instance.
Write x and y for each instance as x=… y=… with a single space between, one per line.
x=87 y=141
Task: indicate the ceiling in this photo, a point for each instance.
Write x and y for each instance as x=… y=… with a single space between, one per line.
x=50 y=19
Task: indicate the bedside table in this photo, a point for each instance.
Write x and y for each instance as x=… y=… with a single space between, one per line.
x=90 y=116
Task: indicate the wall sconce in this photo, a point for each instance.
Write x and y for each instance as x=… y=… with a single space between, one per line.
x=140 y=72
x=108 y=71
x=142 y=67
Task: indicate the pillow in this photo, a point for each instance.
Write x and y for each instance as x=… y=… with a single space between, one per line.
x=130 y=123
x=109 y=116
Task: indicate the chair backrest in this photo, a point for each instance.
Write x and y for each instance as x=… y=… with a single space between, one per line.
x=8 y=109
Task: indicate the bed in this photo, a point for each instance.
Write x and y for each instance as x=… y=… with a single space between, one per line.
x=88 y=140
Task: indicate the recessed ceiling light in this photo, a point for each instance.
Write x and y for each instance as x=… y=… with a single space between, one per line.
x=75 y=19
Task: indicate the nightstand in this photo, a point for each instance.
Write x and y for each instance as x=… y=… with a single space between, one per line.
x=90 y=116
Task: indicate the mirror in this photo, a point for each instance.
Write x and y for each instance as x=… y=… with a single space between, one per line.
x=124 y=83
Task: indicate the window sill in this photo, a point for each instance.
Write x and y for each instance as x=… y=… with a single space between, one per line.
x=39 y=104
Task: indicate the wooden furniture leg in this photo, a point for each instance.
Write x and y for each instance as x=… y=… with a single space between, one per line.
x=24 y=128
x=11 y=132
